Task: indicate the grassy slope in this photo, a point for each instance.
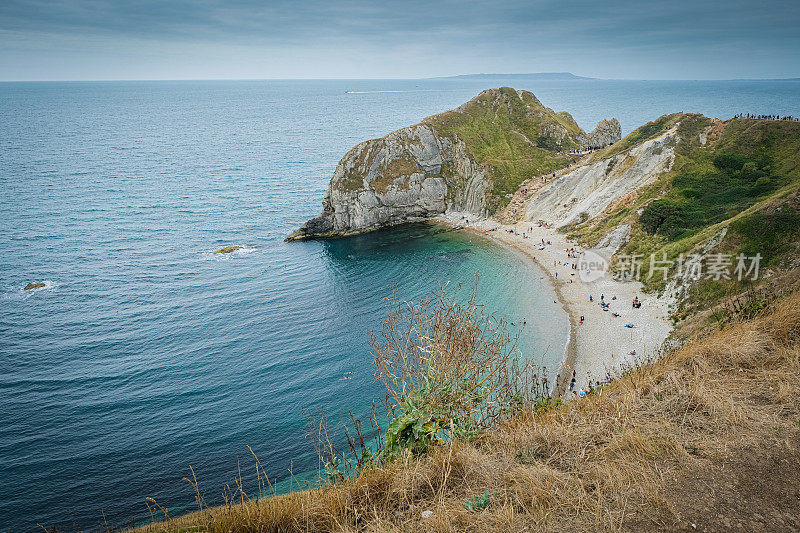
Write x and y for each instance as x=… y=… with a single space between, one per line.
x=709 y=435
x=502 y=131
x=745 y=178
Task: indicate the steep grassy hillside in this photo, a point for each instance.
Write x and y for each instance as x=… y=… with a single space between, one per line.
x=513 y=134
x=735 y=182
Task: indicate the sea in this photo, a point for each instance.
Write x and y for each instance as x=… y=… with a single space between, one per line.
x=146 y=354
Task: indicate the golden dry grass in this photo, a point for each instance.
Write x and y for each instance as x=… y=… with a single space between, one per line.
x=629 y=457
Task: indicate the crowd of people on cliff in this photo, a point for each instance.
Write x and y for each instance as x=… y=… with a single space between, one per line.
x=766 y=117
x=588 y=149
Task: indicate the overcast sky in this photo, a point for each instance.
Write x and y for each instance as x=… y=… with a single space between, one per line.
x=211 y=39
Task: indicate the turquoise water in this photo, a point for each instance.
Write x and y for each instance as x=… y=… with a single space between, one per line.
x=146 y=353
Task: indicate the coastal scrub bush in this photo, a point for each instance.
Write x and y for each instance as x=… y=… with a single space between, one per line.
x=451 y=370
x=703 y=198
x=661 y=216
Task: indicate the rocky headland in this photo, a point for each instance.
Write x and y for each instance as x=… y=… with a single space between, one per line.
x=468 y=160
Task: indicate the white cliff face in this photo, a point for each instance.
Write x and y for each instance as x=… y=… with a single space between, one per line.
x=411 y=174
x=589 y=190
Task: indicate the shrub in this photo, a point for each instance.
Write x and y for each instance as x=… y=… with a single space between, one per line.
x=451 y=370
x=661 y=216
x=701 y=199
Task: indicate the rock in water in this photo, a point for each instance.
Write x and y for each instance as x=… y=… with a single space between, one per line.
x=228 y=249
x=468 y=160
x=30 y=286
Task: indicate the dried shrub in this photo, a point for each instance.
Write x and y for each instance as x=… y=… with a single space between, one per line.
x=451 y=369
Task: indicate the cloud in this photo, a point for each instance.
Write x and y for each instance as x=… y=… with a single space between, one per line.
x=606 y=37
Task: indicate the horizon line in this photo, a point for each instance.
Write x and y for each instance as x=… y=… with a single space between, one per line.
x=455 y=77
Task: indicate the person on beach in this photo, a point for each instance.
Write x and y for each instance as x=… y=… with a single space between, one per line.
x=581 y=319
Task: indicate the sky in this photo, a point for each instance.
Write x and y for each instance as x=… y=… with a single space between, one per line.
x=249 y=39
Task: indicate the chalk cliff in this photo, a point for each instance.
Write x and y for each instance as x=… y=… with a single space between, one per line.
x=585 y=192
x=411 y=174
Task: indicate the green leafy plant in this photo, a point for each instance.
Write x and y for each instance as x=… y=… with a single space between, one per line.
x=479 y=503
x=415 y=430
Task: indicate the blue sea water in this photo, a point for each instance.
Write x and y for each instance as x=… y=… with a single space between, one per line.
x=146 y=353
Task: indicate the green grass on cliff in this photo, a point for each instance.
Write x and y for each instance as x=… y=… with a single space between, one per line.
x=702 y=198
x=512 y=134
x=744 y=179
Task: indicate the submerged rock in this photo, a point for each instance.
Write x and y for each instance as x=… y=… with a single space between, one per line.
x=30 y=286
x=228 y=249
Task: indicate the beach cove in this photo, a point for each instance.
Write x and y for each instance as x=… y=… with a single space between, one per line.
x=600 y=346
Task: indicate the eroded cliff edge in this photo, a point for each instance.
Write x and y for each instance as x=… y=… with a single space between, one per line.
x=468 y=160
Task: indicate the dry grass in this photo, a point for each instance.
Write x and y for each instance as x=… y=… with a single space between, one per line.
x=623 y=458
